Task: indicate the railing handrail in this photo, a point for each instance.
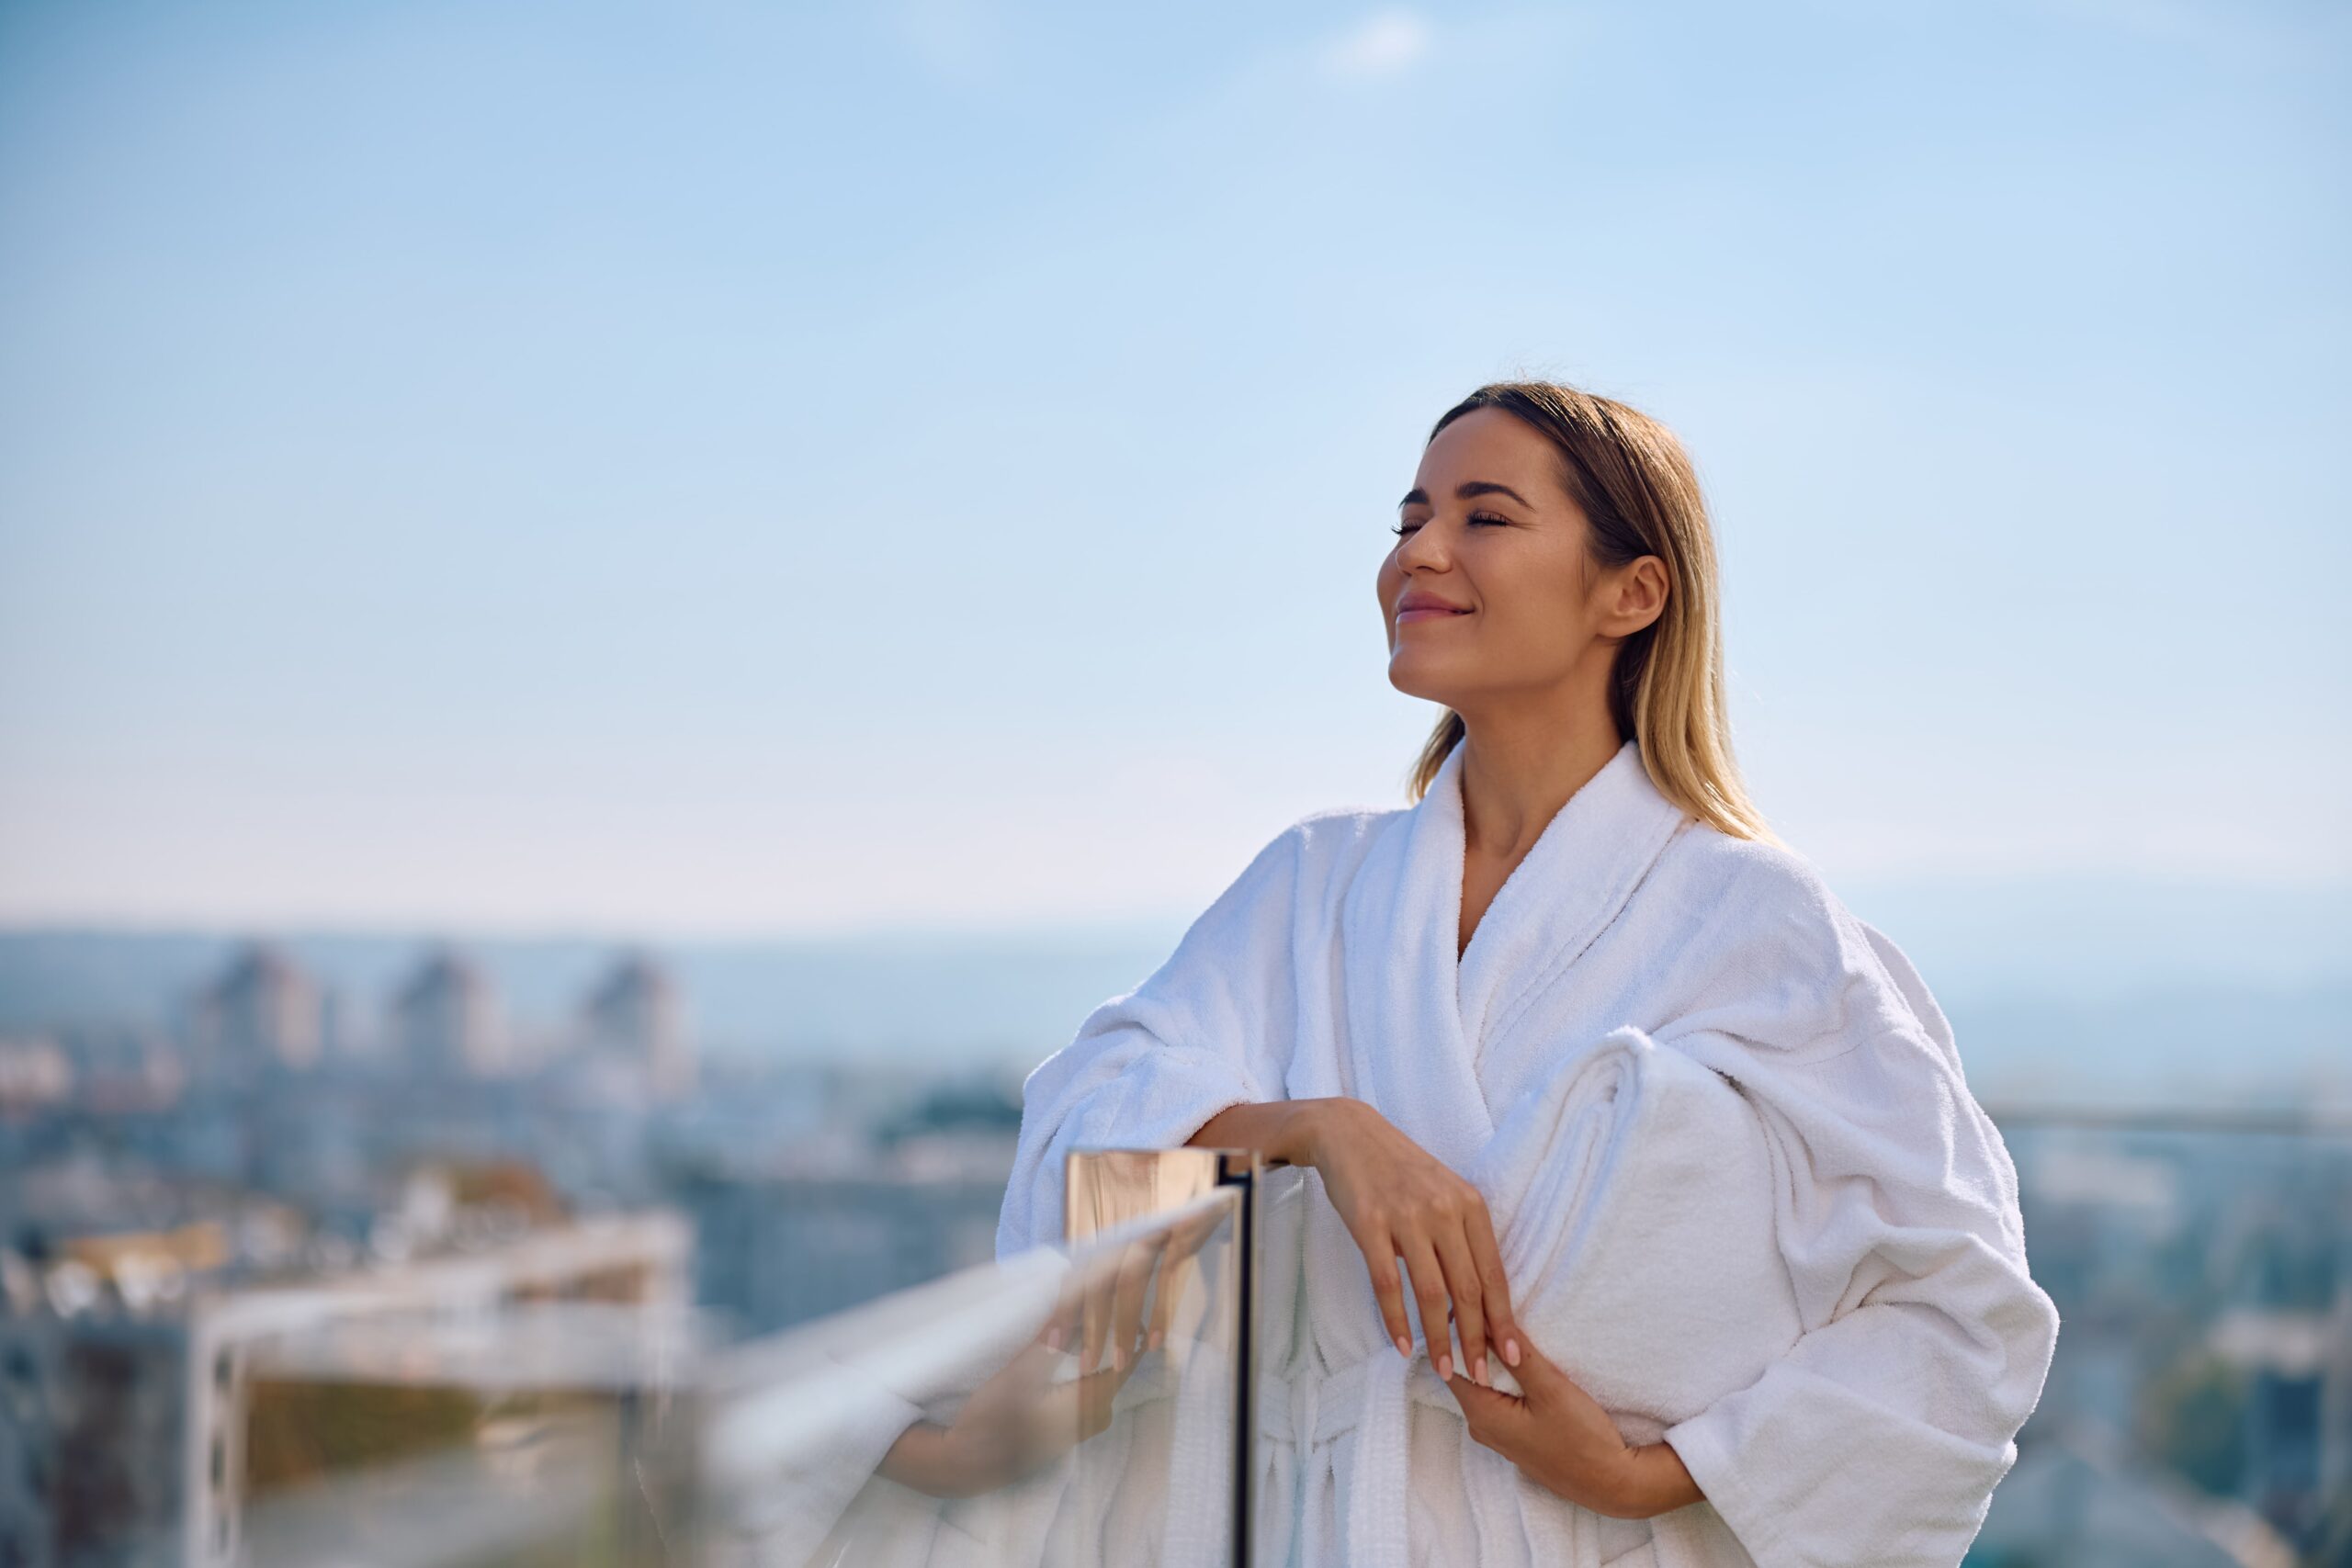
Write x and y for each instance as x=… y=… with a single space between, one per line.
x=788 y=1394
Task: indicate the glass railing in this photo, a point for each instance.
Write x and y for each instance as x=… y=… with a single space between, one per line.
x=1084 y=1403
x=1092 y=1402
x=541 y=1433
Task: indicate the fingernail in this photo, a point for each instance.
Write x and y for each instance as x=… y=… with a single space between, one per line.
x=1054 y=1337
x=1445 y=1368
x=1510 y=1352
x=1404 y=1348
x=1479 y=1372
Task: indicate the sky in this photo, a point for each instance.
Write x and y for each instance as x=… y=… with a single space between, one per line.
x=723 y=468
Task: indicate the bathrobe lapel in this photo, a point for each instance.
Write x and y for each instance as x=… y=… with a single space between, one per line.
x=1570 y=885
x=1422 y=1022
x=1425 y=1033
x=1403 y=1041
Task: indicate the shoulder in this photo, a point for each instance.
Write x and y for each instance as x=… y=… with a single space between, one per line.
x=1337 y=832
x=1328 y=839
x=1767 y=884
x=1307 y=865
x=1769 y=923
x=1300 y=865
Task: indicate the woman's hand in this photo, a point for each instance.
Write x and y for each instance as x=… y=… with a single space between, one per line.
x=1105 y=1309
x=1398 y=1200
x=1563 y=1440
x=1013 y=1424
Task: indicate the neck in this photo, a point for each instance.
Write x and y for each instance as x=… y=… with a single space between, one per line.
x=1518 y=772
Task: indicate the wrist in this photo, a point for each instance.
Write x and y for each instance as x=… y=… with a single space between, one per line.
x=1312 y=1127
x=924 y=1457
x=1660 y=1482
x=1295 y=1141
x=979 y=1459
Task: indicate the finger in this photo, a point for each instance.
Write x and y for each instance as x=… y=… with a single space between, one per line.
x=1429 y=1288
x=1502 y=1325
x=1178 y=1269
x=1029 y=1376
x=1469 y=1315
x=1537 y=1374
x=1195 y=1234
x=1380 y=1257
x=1167 y=1292
x=1094 y=1394
x=1176 y=1272
x=1135 y=1269
x=1069 y=1307
x=1100 y=1277
x=1490 y=1417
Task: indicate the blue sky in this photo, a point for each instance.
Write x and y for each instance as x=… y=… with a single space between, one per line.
x=715 y=468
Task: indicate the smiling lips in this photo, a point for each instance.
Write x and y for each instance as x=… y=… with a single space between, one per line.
x=1426 y=607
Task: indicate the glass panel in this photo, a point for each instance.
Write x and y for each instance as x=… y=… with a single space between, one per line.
x=1078 y=1405
x=548 y=1432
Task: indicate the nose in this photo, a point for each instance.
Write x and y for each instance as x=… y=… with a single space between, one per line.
x=1424 y=548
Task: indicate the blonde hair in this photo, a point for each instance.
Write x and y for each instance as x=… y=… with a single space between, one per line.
x=1637 y=486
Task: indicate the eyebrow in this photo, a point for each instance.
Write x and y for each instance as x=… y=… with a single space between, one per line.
x=1467 y=491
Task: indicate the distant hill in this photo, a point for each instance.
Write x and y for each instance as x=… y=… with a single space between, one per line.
x=2069 y=989
x=992 y=996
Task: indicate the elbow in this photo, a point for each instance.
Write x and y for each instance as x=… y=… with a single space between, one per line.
x=2028 y=1327
x=1979 y=1356
x=2045 y=1338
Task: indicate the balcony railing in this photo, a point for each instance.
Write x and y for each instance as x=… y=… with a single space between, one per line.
x=1083 y=1404
x=1092 y=1401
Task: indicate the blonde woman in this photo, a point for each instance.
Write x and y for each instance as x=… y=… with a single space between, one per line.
x=1643 y=1216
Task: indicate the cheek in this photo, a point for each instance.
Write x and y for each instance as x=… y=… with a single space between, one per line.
x=1539 y=614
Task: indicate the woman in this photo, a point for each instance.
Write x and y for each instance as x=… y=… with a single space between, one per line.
x=1386 y=996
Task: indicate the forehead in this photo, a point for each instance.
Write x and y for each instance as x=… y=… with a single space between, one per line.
x=1488 y=443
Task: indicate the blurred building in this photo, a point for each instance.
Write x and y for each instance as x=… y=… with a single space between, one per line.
x=2203 y=1373
x=445 y=1022
x=854 y=1218
x=2073 y=1499
x=263 y=1015
x=635 y=1018
x=125 y=1070
x=36 y=1074
x=773 y=1251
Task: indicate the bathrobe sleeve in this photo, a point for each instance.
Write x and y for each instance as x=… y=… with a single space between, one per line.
x=1877 y=1438
x=1209 y=1029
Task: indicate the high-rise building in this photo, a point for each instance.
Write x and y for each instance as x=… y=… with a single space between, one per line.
x=635 y=1016
x=262 y=1015
x=445 y=1020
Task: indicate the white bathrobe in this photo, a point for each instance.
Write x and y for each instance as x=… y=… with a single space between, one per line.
x=1743 y=1194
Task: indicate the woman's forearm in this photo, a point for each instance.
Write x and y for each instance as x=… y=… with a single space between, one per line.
x=1284 y=1131
x=923 y=1460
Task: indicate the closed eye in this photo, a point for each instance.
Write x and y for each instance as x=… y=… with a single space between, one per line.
x=1404 y=528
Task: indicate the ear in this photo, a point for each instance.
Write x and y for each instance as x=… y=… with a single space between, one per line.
x=1639 y=595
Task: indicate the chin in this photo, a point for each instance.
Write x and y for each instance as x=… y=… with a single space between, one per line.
x=1417 y=684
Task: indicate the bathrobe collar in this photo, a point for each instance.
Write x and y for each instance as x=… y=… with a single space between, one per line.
x=1422 y=1019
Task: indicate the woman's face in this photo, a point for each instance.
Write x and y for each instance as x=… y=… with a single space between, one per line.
x=1491 y=594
